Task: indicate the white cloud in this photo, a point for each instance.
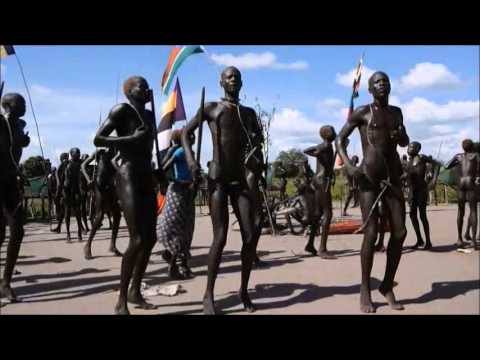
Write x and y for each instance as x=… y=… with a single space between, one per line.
x=292 y=129
x=66 y=118
x=256 y=61
x=332 y=109
x=427 y=75
x=442 y=129
x=423 y=110
x=346 y=79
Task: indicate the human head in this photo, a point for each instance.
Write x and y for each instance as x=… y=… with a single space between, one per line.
x=379 y=85
x=14 y=104
x=327 y=133
x=136 y=88
x=414 y=148
x=231 y=81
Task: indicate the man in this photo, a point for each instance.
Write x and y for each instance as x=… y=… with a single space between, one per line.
x=322 y=182
x=352 y=188
x=105 y=198
x=12 y=141
x=467 y=187
x=59 y=179
x=72 y=193
x=135 y=127
x=381 y=130
x=235 y=137
x=416 y=173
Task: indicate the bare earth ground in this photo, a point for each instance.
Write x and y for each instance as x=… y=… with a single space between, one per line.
x=56 y=279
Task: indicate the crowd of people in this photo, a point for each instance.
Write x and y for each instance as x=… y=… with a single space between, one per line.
x=123 y=181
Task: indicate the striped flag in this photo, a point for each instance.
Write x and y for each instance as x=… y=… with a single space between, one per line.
x=176 y=58
x=172 y=112
x=6 y=50
x=356 y=84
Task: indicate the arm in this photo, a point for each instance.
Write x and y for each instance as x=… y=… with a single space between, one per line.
x=102 y=137
x=84 y=167
x=189 y=157
x=452 y=163
x=168 y=158
x=312 y=151
x=436 y=171
x=342 y=141
x=400 y=133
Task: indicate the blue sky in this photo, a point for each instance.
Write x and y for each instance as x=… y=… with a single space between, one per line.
x=437 y=88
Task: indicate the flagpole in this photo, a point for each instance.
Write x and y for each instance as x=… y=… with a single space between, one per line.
x=33 y=111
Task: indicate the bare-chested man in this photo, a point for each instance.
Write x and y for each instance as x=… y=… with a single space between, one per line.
x=381 y=131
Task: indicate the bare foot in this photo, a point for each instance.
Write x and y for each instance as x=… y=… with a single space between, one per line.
x=467 y=237
x=460 y=244
x=380 y=248
x=137 y=299
x=87 y=251
x=427 y=246
x=7 y=292
x=311 y=249
x=326 y=255
x=115 y=252
x=418 y=244
x=390 y=296
x=247 y=303
x=366 y=305
x=121 y=309
x=69 y=240
x=57 y=230
x=208 y=306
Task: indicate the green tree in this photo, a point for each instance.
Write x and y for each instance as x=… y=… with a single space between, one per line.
x=291 y=161
x=35 y=166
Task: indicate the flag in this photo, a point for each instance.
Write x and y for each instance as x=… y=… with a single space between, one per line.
x=172 y=112
x=6 y=50
x=176 y=58
x=356 y=85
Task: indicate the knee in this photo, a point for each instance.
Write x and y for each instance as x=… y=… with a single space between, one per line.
x=399 y=234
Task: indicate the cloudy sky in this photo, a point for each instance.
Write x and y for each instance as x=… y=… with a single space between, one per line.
x=437 y=88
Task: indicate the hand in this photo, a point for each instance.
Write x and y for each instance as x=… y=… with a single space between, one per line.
x=90 y=184
x=195 y=169
x=354 y=172
x=26 y=139
x=139 y=133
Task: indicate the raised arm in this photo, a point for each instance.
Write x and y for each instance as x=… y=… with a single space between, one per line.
x=85 y=164
x=452 y=163
x=312 y=151
x=186 y=133
x=102 y=137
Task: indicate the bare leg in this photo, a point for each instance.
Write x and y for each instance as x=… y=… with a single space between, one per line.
x=219 y=214
x=78 y=217
x=147 y=229
x=396 y=211
x=416 y=225
x=460 y=215
x=115 y=225
x=473 y=218
x=15 y=222
x=310 y=247
x=367 y=250
x=67 y=219
x=95 y=226
x=327 y=218
x=426 y=227
x=347 y=202
x=242 y=206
